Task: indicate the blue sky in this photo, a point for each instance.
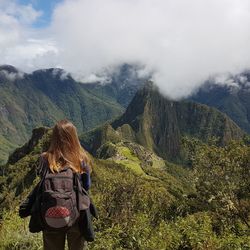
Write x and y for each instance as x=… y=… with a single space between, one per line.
x=46 y=6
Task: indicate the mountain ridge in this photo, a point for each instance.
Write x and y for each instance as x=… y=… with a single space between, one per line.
x=45 y=96
x=159 y=124
x=230 y=95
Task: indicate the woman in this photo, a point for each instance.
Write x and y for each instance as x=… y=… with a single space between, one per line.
x=65 y=150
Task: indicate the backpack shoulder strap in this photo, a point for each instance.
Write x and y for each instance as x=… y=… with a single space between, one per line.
x=83 y=199
x=42 y=171
x=42 y=167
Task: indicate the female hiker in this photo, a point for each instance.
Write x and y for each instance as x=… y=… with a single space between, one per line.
x=59 y=205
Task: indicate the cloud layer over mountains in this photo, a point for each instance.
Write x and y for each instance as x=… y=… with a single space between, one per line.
x=182 y=42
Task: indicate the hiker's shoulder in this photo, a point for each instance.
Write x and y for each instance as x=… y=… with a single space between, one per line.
x=86 y=165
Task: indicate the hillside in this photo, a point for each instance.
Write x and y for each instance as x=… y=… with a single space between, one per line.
x=19 y=175
x=45 y=96
x=143 y=201
x=159 y=124
x=231 y=96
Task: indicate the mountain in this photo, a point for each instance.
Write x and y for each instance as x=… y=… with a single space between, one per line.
x=159 y=124
x=45 y=96
x=230 y=95
x=85 y=109
x=41 y=98
x=122 y=84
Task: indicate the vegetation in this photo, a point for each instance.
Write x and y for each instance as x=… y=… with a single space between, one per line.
x=5 y=148
x=233 y=100
x=223 y=183
x=203 y=207
x=42 y=98
x=159 y=125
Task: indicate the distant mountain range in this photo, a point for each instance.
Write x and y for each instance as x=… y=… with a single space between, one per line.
x=230 y=95
x=45 y=96
x=121 y=86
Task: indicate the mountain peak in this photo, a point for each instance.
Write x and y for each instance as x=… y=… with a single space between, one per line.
x=150 y=86
x=159 y=123
x=8 y=68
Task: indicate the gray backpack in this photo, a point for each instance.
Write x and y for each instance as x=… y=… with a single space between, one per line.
x=60 y=200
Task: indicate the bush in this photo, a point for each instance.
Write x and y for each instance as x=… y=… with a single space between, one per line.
x=15 y=235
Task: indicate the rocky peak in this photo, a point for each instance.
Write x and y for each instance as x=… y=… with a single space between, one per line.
x=160 y=123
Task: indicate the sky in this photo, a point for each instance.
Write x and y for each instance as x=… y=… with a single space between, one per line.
x=182 y=42
x=46 y=8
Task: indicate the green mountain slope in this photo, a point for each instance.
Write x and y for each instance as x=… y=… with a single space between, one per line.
x=159 y=124
x=115 y=181
x=42 y=98
x=156 y=207
x=5 y=147
x=232 y=97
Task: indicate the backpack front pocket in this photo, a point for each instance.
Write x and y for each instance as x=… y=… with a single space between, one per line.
x=57 y=217
x=58 y=211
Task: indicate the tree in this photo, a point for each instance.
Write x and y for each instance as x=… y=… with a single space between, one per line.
x=222 y=180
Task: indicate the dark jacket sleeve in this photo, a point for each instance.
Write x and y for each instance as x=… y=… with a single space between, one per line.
x=85 y=177
x=86 y=181
x=26 y=206
x=40 y=170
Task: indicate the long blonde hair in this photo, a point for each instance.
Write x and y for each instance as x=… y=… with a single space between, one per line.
x=65 y=148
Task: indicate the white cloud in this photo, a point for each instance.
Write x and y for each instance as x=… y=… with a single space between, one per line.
x=62 y=74
x=11 y=76
x=92 y=78
x=14 y=22
x=24 y=14
x=20 y=44
x=32 y=54
x=183 y=42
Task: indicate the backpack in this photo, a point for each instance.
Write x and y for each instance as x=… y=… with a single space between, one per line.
x=31 y=206
x=62 y=199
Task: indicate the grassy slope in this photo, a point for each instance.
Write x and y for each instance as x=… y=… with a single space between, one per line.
x=109 y=178
x=5 y=148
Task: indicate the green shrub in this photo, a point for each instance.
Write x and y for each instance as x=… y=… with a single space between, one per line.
x=15 y=235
